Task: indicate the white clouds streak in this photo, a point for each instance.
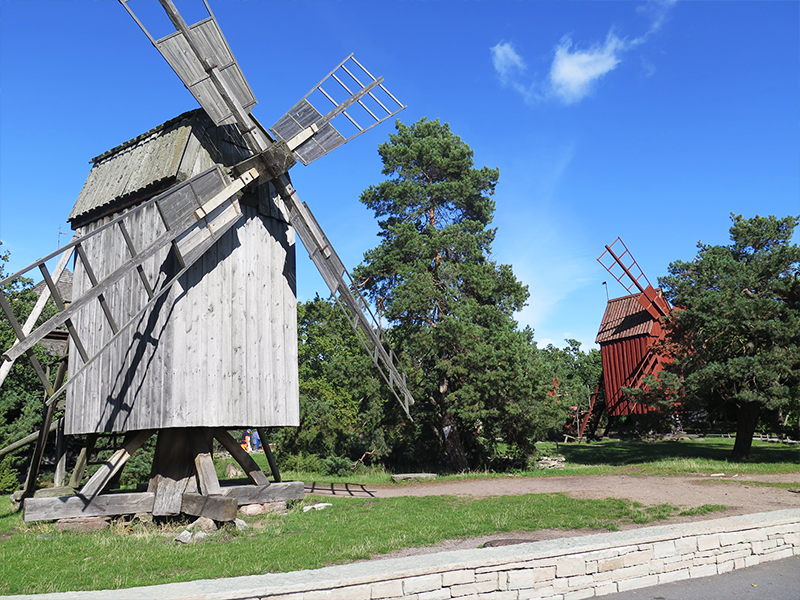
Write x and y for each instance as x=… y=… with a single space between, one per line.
x=506 y=61
x=574 y=72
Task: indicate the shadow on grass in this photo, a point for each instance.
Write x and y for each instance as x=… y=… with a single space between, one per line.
x=632 y=453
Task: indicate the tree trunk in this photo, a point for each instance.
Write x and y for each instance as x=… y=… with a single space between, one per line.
x=453 y=446
x=746 y=422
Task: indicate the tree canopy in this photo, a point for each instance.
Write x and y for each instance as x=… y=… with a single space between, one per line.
x=476 y=376
x=735 y=339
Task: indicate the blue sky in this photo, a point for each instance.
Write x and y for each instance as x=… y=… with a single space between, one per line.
x=652 y=121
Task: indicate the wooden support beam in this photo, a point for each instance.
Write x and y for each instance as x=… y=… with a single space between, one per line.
x=38 y=450
x=259 y=494
x=49 y=509
x=273 y=466
x=83 y=459
x=173 y=466
x=133 y=441
x=241 y=456
x=218 y=508
x=204 y=463
x=61 y=456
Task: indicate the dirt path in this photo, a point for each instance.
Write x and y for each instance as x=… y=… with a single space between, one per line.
x=740 y=494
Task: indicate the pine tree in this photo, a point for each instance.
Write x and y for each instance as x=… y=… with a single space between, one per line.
x=736 y=341
x=449 y=304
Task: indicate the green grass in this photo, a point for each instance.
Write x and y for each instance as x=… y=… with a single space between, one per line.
x=34 y=558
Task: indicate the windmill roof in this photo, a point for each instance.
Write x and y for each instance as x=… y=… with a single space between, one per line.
x=153 y=161
x=624 y=318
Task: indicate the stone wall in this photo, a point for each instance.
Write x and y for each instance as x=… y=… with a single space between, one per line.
x=565 y=569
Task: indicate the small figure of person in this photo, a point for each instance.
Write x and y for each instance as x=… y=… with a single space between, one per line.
x=256 y=440
x=246 y=441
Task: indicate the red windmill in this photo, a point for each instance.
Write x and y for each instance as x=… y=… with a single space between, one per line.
x=630 y=326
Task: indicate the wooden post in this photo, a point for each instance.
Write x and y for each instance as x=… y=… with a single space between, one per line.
x=61 y=456
x=83 y=459
x=203 y=442
x=273 y=466
x=38 y=450
x=173 y=468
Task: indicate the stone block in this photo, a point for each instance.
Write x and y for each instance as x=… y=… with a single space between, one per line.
x=483 y=577
x=458 y=577
x=664 y=549
x=703 y=570
x=440 y=594
x=637 y=558
x=579 y=594
x=637 y=582
x=473 y=589
x=606 y=588
x=778 y=554
x=729 y=539
x=82 y=524
x=353 y=592
x=591 y=566
x=568 y=566
x=580 y=581
x=708 y=542
x=538 y=593
x=529 y=577
x=792 y=538
x=387 y=589
x=725 y=567
x=686 y=545
x=671 y=576
x=752 y=560
x=610 y=564
x=424 y=583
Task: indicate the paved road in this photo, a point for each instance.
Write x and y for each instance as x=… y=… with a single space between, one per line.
x=775 y=580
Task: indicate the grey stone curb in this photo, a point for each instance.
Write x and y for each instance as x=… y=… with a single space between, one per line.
x=255 y=586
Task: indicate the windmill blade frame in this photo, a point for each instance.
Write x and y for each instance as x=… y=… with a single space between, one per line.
x=191 y=225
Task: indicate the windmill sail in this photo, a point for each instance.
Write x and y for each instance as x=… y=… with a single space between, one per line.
x=341 y=98
x=350 y=95
x=204 y=62
x=338 y=280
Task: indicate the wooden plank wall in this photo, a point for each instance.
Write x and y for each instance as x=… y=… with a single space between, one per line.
x=220 y=350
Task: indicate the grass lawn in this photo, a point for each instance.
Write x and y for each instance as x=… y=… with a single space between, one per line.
x=34 y=558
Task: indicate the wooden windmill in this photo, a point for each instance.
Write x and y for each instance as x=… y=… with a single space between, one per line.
x=630 y=326
x=183 y=315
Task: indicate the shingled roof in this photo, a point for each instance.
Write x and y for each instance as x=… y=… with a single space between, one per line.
x=152 y=162
x=624 y=318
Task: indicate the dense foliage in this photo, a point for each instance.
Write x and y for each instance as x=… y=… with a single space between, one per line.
x=21 y=394
x=477 y=378
x=736 y=339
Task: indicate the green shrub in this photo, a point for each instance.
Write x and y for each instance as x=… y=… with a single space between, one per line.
x=338 y=465
x=9 y=477
x=301 y=462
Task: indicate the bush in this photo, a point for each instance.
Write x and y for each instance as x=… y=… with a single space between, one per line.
x=338 y=465
x=9 y=477
x=301 y=462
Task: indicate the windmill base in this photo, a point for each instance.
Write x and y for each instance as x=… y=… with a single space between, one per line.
x=183 y=481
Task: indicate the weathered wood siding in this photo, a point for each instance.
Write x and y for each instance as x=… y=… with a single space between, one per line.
x=220 y=350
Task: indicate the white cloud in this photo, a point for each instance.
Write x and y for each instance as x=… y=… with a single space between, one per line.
x=573 y=72
x=506 y=61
